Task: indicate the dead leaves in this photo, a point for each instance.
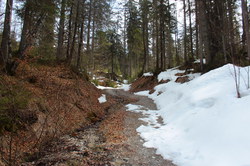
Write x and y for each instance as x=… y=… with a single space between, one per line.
x=113 y=127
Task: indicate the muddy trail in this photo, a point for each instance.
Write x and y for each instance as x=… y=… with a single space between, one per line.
x=111 y=142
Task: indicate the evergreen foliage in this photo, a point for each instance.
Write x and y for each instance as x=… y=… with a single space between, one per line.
x=147 y=35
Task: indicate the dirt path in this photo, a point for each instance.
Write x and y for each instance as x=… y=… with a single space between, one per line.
x=136 y=154
x=113 y=142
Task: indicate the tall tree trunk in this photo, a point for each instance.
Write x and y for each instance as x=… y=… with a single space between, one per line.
x=169 y=47
x=144 y=48
x=5 y=44
x=231 y=31
x=78 y=65
x=177 y=56
x=147 y=47
x=203 y=26
x=196 y=30
x=59 y=53
x=125 y=58
x=145 y=35
x=185 y=33
x=190 y=30
x=245 y=16
x=89 y=25
x=70 y=28
x=157 y=46
x=156 y=35
x=88 y=33
x=93 y=36
x=223 y=31
x=74 y=34
x=93 y=45
x=201 y=18
x=162 y=35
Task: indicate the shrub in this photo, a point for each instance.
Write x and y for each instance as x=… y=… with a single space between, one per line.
x=110 y=83
x=13 y=98
x=95 y=81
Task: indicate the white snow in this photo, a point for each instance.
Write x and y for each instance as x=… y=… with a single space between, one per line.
x=170 y=75
x=102 y=99
x=104 y=87
x=199 y=61
x=125 y=87
x=205 y=124
x=148 y=74
x=131 y=107
x=142 y=93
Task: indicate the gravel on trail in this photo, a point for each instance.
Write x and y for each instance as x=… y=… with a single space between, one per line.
x=112 y=142
x=134 y=152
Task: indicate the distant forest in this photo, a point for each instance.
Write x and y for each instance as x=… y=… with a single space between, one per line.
x=129 y=38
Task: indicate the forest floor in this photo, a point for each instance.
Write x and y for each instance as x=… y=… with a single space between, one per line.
x=111 y=142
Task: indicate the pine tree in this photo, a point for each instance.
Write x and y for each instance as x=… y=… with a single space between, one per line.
x=59 y=53
x=144 y=5
x=134 y=36
x=5 y=44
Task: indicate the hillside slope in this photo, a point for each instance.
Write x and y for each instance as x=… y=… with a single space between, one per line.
x=58 y=102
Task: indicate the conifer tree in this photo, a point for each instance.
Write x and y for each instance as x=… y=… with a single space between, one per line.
x=5 y=43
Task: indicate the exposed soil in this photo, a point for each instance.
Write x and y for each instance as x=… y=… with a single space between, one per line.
x=144 y=83
x=112 y=142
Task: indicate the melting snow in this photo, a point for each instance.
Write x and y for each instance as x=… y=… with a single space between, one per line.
x=148 y=74
x=102 y=99
x=204 y=124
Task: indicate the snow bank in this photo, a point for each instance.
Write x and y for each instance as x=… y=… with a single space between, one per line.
x=102 y=99
x=170 y=75
x=205 y=124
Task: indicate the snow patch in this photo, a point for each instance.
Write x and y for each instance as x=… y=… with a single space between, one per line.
x=148 y=74
x=102 y=99
x=142 y=93
x=125 y=87
x=199 y=61
x=104 y=87
x=135 y=108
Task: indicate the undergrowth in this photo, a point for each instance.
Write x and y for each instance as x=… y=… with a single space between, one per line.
x=13 y=98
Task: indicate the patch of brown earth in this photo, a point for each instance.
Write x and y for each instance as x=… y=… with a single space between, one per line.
x=182 y=79
x=144 y=83
x=164 y=81
x=180 y=74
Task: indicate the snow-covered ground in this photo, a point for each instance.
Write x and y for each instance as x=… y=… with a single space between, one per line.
x=205 y=124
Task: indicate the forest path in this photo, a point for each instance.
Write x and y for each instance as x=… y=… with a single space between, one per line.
x=132 y=148
x=111 y=142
